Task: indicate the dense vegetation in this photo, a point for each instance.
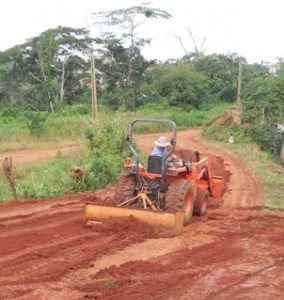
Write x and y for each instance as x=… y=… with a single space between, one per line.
x=45 y=98
x=103 y=144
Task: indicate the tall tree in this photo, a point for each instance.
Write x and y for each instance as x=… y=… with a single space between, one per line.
x=120 y=47
x=221 y=72
x=45 y=67
x=197 y=52
x=263 y=105
x=47 y=48
x=180 y=84
x=264 y=100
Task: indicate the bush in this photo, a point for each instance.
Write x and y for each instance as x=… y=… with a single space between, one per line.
x=12 y=112
x=107 y=141
x=181 y=84
x=36 y=123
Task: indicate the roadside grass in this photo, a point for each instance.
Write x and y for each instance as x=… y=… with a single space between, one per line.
x=58 y=131
x=100 y=164
x=56 y=177
x=26 y=130
x=42 y=180
x=182 y=118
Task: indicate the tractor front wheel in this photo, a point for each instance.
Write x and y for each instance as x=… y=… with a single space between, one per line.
x=125 y=188
x=180 y=198
x=201 y=202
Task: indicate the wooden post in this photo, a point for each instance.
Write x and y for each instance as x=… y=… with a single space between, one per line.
x=239 y=84
x=94 y=90
x=282 y=152
x=9 y=173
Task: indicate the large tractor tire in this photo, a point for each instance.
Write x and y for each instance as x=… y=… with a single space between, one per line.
x=201 y=202
x=125 y=188
x=180 y=198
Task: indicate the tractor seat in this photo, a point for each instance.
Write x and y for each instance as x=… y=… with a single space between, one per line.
x=155 y=164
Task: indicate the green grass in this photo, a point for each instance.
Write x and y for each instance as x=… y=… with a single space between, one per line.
x=59 y=131
x=182 y=118
x=101 y=163
x=43 y=180
x=65 y=129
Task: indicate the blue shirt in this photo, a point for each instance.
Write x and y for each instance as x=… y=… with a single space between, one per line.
x=160 y=151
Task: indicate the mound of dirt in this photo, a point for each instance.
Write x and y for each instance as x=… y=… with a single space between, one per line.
x=132 y=229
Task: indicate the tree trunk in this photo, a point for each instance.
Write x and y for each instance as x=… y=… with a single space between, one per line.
x=51 y=106
x=62 y=89
x=282 y=153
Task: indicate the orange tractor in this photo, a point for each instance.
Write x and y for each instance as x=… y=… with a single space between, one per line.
x=167 y=193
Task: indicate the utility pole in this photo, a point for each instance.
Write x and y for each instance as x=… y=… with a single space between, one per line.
x=239 y=84
x=94 y=89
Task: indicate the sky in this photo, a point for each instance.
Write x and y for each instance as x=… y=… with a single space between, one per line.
x=250 y=28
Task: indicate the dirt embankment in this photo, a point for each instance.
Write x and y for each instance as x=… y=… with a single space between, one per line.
x=233 y=252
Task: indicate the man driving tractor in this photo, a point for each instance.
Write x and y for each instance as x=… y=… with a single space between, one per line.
x=160 y=148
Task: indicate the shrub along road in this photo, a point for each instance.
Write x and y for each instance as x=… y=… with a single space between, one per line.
x=233 y=252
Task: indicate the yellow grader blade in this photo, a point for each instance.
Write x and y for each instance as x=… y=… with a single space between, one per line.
x=98 y=212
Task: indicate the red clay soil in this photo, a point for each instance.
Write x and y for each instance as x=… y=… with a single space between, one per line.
x=25 y=156
x=233 y=252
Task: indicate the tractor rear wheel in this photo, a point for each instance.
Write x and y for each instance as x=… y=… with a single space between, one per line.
x=201 y=202
x=125 y=188
x=180 y=198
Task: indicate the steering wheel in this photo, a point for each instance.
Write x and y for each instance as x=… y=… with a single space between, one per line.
x=172 y=159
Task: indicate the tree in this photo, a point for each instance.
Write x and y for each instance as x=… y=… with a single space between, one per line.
x=112 y=65
x=179 y=83
x=221 y=72
x=263 y=100
x=47 y=48
x=47 y=68
x=120 y=47
x=263 y=105
x=198 y=52
x=11 y=81
x=253 y=71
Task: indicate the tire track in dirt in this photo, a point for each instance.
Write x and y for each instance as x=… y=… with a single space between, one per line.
x=53 y=251
x=228 y=253
x=15 y=210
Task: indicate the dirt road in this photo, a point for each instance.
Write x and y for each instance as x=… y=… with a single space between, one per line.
x=25 y=156
x=233 y=252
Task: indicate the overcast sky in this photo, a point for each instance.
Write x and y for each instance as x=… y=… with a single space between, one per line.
x=251 y=28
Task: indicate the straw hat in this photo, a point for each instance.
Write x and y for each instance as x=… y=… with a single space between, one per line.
x=162 y=142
